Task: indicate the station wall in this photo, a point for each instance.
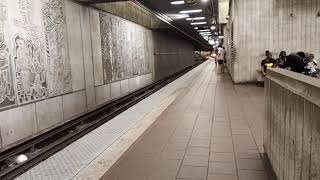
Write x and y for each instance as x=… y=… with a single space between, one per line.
x=275 y=25
x=60 y=60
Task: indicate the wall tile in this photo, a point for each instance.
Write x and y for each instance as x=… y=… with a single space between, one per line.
x=74 y=105
x=49 y=113
x=103 y=94
x=115 y=89
x=18 y=123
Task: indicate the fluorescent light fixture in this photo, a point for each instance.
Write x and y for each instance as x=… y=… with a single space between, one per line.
x=198 y=23
x=177 y=2
x=196 y=18
x=204 y=30
x=205 y=33
x=191 y=11
x=177 y=16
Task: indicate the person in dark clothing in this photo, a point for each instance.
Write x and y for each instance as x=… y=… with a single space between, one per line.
x=268 y=62
x=282 y=59
x=295 y=63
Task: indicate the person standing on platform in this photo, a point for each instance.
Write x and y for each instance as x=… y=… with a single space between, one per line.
x=221 y=56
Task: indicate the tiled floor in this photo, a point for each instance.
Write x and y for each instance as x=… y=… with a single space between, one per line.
x=199 y=127
x=103 y=146
x=213 y=131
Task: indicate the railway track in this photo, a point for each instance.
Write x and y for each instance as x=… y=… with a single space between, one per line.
x=43 y=146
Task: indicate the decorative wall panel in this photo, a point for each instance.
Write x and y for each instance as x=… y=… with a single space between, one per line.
x=34 y=60
x=125 y=51
x=6 y=80
x=28 y=51
x=59 y=73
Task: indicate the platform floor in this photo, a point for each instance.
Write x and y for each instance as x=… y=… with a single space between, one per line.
x=213 y=131
x=200 y=127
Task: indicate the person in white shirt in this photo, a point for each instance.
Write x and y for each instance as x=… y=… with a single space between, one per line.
x=221 y=57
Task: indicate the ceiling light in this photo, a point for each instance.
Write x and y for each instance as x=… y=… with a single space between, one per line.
x=198 y=23
x=196 y=28
x=177 y=16
x=221 y=37
x=204 y=30
x=191 y=11
x=204 y=0
x=195 y=18
x=212 y=27
x=177 y=2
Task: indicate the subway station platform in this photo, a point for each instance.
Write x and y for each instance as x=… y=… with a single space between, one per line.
x=199 y=127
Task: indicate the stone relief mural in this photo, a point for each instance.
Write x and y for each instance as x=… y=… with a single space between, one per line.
x=7 y=97
x=123 y=48
x=34 y=60
x=59 y=70
x=28 y=52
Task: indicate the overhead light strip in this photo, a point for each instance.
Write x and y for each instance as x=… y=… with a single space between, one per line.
x=204 y=30
x=195 y=18
x=177 y=2
x=191 y=11
x=198 y=23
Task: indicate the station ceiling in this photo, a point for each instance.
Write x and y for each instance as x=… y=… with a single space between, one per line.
x=173 y=13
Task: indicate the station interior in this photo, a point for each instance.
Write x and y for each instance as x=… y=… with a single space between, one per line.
x=160 y=89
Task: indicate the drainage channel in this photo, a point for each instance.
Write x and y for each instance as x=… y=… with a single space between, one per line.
x=42 y=147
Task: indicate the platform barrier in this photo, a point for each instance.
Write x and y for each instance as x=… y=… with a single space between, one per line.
x=292 y=125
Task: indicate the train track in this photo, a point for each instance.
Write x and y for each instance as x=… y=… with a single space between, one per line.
x=43 y=146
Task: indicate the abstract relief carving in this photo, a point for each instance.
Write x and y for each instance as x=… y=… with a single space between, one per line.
x=123 y=48
x=59 y=72
x=106 y=45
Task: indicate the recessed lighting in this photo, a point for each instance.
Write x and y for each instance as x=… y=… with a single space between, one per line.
x=198 y=23
x=195 y=18
x=177 y=2
x=191 y=11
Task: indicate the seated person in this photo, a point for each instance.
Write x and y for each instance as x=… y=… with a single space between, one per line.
x=295 y=63
x=268 y=62
x=311 y=67
x=282 y=59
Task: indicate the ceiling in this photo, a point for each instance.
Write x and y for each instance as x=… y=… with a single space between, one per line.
x=170 y=14
x=209 y=11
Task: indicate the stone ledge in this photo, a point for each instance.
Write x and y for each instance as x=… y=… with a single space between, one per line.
x=302 y=85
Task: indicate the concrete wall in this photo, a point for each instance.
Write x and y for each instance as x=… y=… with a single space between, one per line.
x=292 y=125
x=54 y=71
x=171 y=53
x=275 y=25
